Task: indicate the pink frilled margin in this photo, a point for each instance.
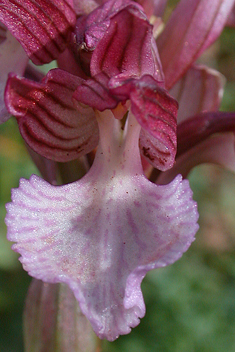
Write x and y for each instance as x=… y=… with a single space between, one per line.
x=103 y=233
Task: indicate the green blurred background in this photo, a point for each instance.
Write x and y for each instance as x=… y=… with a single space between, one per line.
x=191 y=304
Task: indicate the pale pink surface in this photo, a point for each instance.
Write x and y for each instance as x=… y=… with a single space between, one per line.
x=103 y=233
x=193 y=27
x=199 y=90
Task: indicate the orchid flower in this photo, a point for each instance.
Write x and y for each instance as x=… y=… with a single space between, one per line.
x=73 y=43
x=103 y=233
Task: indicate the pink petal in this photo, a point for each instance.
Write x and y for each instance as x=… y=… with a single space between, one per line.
x=12 y=58
x=197 y=128
x=218 y=149
x=204 y=138
x=199 y=90
x=95 y=93
x=156 y=112
x=127 y=48
x=102 y=234
x=193 y=27
x=159 y=152
x=42 y=27
x=47 y=117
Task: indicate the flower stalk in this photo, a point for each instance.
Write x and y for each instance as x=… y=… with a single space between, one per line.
x=53 y=321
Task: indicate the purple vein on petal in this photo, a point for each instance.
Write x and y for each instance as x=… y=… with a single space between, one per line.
x=202 y=126
x=48 y=119
x=126 y=48
x=192 y=28
x=41 y=27
x=156 y=112
x=201 y=85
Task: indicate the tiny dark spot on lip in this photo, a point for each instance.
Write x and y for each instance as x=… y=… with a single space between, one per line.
x=162 y=161
x=146 y=153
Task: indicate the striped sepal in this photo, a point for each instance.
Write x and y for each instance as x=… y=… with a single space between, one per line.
x=41 y=26
x=47 y=117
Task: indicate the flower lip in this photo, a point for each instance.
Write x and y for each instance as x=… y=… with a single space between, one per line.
x=101 y=234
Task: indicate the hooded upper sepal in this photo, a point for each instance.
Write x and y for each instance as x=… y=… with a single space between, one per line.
x=117 y=39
